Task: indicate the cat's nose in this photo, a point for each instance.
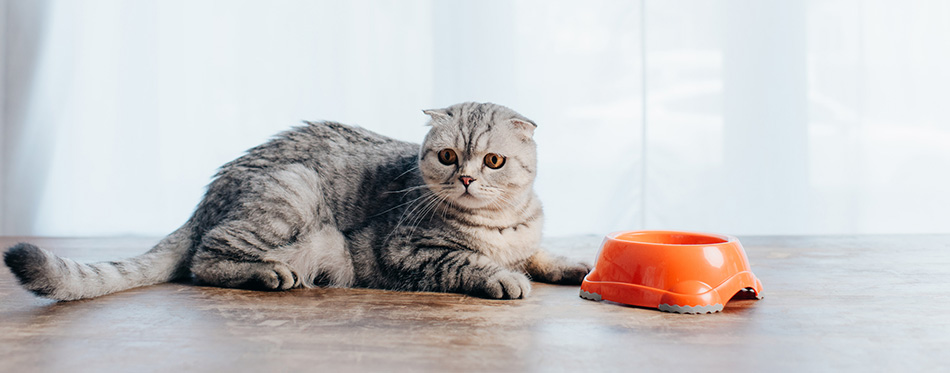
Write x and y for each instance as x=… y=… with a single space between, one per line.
x=466 y=180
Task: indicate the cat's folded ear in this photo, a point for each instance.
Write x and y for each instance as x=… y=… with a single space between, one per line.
x=437 y=115
x=525 y=125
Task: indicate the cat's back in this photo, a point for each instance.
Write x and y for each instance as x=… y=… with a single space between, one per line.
x=345 y=137
x=344 y=156
x=350 y=166
x=323 y=145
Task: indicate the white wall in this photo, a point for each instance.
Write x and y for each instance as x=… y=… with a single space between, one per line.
x=760 y=117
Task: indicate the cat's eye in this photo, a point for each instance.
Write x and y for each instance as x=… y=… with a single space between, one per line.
x=494 y=161
x=448 y=156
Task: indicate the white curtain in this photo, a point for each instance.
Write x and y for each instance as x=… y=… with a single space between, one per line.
x=764 y=117
x=798 y=117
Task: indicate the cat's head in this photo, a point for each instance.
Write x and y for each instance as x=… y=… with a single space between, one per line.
x=479 y=155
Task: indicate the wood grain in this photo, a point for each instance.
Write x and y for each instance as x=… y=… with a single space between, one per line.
x=832 y=303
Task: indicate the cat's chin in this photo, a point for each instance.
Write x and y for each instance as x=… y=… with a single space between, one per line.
x=468 y=201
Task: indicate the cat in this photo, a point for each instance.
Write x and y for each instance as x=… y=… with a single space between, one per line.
x=326 y=204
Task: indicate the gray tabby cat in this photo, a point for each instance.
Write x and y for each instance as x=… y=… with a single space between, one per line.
x=331 y=205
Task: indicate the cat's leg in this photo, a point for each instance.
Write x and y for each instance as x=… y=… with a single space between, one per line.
x=270 y=236
x=320 y=258
x=232 y=255
x=454 y=271
x=545 y=267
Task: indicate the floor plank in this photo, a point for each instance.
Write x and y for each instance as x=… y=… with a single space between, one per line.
x=848 y=302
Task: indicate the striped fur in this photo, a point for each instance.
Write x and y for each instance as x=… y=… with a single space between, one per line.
x=332 y=205
x=48 y=275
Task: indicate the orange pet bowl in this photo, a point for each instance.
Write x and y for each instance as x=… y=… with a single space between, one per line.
x=680 y=272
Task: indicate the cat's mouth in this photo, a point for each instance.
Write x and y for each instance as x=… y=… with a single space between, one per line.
x=469 y=200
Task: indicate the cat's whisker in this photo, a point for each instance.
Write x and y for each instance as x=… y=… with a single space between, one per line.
x=427 y=207
x=409 y=211
x=445 y=207
x=415 y=216
x=441 y=199
x=421 y=207
x=399 y=205
x=409 y=189
x=416 y=167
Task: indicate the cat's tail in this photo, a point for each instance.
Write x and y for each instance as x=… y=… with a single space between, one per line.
x=54 y=277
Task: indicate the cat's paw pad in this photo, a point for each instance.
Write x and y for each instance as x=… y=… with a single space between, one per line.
x=277 y=276
x=506 y=285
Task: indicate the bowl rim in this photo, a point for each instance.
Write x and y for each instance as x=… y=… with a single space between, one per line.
x=724 y=238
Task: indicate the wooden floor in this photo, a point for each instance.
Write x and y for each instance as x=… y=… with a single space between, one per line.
x=877 y=303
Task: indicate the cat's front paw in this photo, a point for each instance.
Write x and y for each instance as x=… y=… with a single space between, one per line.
x=275 y=276
x=554 y=269
x=505 y=285
x=572 y=274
